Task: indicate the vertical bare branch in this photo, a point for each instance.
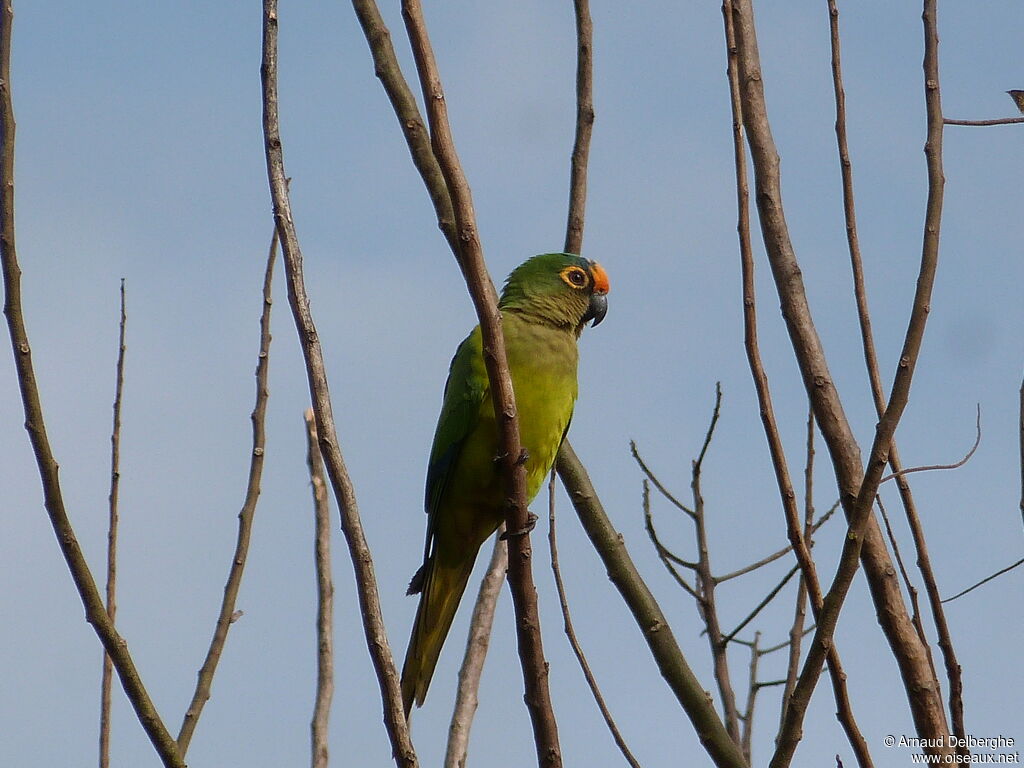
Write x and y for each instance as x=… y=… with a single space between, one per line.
x=706 y=585
x=857 y=486
x=95 y=610
x=648 y=615
x=1021 y=430
x=115 y=484
x=584 y=127
x=471 y=261
x=877 y=391
x=325 y=599
x=403 y=102
x=351 y=525
x=570 y=632
x=476 y=653
x=226 y=617
x=752 y=689
x=796 y=631
x=740 y=62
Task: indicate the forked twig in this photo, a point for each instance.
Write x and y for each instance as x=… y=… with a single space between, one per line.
x=53 y=500
x=724 y=752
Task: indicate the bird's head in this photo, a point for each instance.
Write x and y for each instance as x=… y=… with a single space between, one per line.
x=558 y=288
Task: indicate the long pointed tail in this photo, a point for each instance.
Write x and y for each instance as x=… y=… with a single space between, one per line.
x=443 y=585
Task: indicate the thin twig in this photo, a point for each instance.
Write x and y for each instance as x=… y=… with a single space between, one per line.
x=657 y=483
x=997 y=121
x=783 y=644
x=649 y=617
x=935 y=467
x=115 y=484
x=477 y=643
x=95 y=610
x=325 y=599
x=666 y=557
x=471 y=261
x=584 y=127
x=570 y=633
x=225 y=618
x=986 y=580
x=761 y=605
x=779 y=553
x=1020 y=428
x=351 y=525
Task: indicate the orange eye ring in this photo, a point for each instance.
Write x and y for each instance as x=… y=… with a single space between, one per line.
x=575 y=277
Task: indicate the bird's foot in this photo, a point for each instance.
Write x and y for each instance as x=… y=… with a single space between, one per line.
x=531 y=523
x=524 y=456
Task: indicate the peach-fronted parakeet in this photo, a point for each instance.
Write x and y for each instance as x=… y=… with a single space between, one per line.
x=545 y=304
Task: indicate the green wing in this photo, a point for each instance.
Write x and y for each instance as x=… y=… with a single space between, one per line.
x=464 y=392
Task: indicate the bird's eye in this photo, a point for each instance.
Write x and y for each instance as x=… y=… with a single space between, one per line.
x=575 y=277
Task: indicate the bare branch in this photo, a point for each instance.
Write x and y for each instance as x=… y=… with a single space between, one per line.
x=570 y=633
x=649 y=617
x=351 y=525
x=747 y=95
x=95 y=610
x=934 y=467
x=413 y=127
x=784 y=643
x=778 y=553
x=761 y=605
x=657 y=483
x=476 y=653
x=706 y=585
x=325 y=600
x=796 y=630
x=1020 y=427
x=666 y=557
x=998 y=121
x=856 y=486
x=874 y=375
x=115 y=484
x=204 y=680
x=986 y=580
x=752 y=689
x=584 y=127
x=471 y=261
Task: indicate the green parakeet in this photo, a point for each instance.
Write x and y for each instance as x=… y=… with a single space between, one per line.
x=545 y=304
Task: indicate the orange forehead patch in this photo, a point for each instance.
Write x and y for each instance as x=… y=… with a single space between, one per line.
x=601 y=284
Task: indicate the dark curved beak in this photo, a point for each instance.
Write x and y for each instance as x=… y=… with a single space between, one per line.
x=597 y=309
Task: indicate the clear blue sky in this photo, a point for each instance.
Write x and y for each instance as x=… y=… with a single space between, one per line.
x=140 y=156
